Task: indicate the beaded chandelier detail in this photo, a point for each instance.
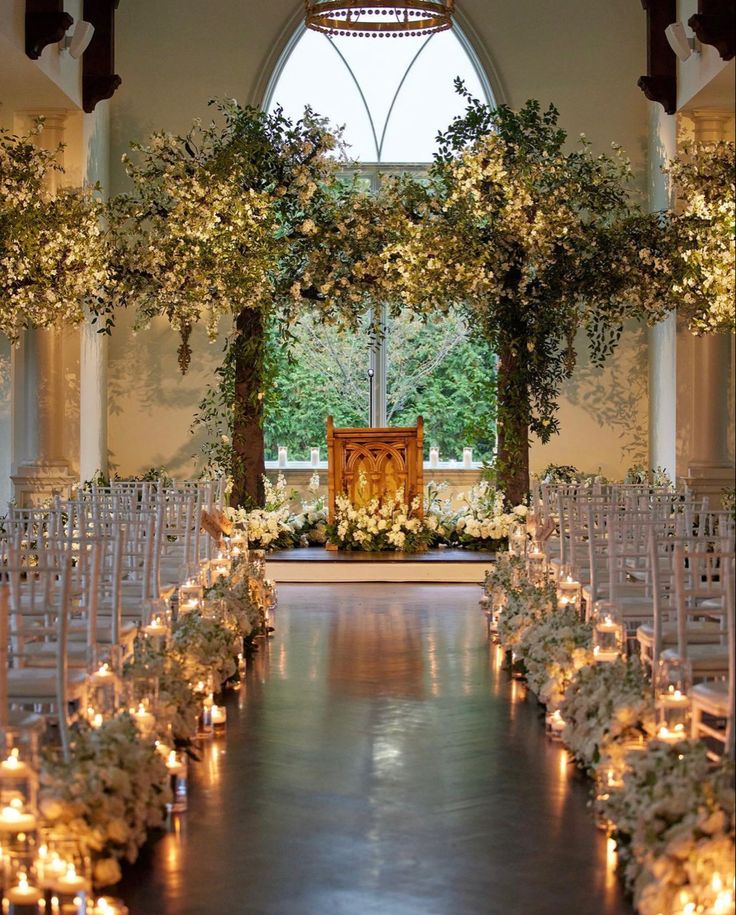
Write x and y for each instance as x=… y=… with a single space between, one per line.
x=379 y=18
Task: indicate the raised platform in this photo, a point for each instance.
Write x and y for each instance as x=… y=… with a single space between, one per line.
x=315 y=564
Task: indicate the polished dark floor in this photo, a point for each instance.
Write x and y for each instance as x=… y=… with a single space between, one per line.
x=379 y=761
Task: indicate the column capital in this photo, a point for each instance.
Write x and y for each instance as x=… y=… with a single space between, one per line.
x=710 y=123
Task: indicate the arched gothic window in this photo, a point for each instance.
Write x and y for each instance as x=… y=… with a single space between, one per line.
x=392 y=97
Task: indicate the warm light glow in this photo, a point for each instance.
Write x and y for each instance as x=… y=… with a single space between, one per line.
x=12 y=762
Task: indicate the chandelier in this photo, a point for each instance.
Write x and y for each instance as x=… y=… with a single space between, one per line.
x=379 y=18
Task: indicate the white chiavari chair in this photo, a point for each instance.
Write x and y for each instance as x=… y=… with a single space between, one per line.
x=50 y=690
x=700 y=598
x=714 y=702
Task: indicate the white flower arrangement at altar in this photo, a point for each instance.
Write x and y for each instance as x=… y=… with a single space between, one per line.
x=270 y=527
x=275 y=526
x=387 y=524
x=310 y=525
x=109 y=795
x=674 y=826
x=553 y=649
x=604 y=705
x=482 y=523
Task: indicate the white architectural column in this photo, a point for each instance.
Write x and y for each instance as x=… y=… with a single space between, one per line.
x=663 y=336
x=39 y=467
x=709 y=467
x=93 y=352
x=92 y=402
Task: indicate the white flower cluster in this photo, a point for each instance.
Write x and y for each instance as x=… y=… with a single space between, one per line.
x=383 y=524
x=275 y=526
x=674 y=818
x=109 y=795
x=482 y=521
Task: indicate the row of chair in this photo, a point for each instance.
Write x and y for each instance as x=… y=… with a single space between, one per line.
x=663 y=562
x=78 y=579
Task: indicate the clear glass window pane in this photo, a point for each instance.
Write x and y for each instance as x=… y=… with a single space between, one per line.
x=427 y=102
x=315 y=75
x=435 y=370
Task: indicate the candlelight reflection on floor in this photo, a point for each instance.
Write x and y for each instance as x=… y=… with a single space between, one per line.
x=379 y=760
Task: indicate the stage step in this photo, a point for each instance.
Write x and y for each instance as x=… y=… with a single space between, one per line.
x=318 y=565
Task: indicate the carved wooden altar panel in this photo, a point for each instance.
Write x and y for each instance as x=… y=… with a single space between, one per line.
x=369 y=463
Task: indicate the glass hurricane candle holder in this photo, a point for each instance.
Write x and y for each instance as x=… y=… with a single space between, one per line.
x=536 y=563
x=105 y=686
x=141 y=689
x=19 y=766
x=568 y=592
x=609 y=635
x=219 y=717
x=220 y=567
x=257 y=564
x=22 y=894
x=518 y=540
x=190 y=596
x=64 y=873
x=158 y=625
x=672 y=685
x=204 y=691
x=177 y=767
x=554 y=724
x=108 y=905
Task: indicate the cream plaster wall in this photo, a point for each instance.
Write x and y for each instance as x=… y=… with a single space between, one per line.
x=585 y=57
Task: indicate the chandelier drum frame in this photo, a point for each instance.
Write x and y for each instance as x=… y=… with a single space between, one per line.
x=354 y=17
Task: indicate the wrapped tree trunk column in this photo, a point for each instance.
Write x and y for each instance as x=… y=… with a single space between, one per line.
x=249 y=463
x=513 y=428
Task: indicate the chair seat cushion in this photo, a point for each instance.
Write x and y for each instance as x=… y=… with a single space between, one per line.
x=706 y=658
x=713 y=697
x=705 y=632
x=39 y=683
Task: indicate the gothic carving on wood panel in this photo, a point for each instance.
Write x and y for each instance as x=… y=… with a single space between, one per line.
x=715 y=24
x=46 y=23
x=368 y=464
x=660 y=82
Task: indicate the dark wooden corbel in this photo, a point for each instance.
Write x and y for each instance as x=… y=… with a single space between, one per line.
x=660 y=82
x=46 y=23
x=99 y=80
x=715 y=24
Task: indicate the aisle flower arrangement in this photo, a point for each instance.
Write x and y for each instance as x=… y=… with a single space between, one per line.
x=669 y=809
x=603 y=705
x=554 y=648
x=108 y=795
x=674 y=828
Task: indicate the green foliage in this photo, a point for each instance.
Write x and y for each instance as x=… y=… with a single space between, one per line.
x=435 y=369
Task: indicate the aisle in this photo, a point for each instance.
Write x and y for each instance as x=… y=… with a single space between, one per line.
x=379 y=762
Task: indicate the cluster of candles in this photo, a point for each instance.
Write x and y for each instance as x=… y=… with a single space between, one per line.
x=39 y=873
